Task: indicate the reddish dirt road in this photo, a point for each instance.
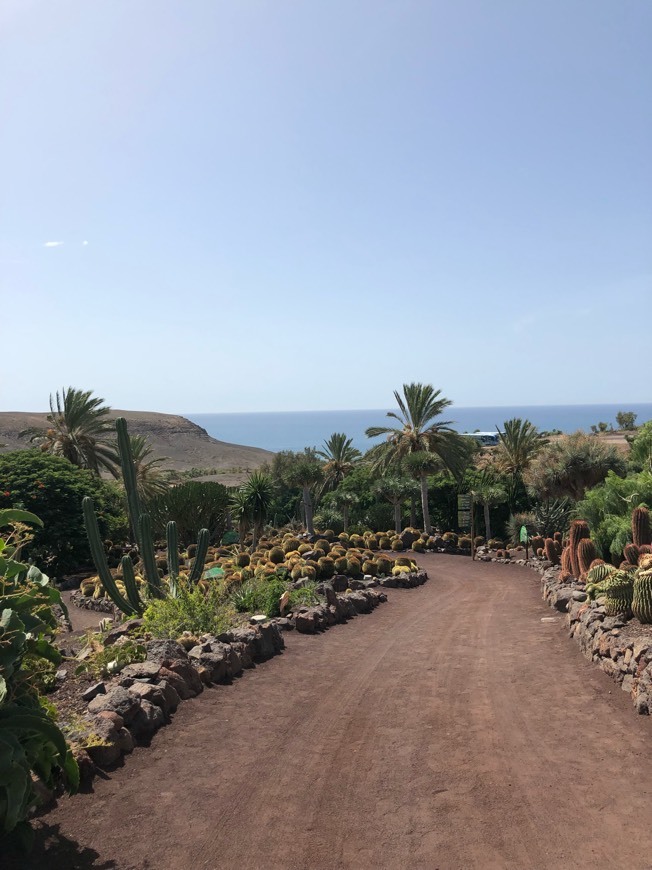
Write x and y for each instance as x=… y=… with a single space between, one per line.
x=452 y=728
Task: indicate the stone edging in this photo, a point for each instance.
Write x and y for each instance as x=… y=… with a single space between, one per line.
x=132 y=706
x=622 y=648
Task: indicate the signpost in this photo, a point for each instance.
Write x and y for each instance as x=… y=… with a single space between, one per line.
x=524 y=539
x=465 y=516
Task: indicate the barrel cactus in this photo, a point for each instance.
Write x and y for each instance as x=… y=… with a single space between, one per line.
x=619 y=591
x=596 y=579
x=642 y=599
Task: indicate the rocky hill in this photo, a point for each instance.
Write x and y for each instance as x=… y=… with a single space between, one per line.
x=184 y=444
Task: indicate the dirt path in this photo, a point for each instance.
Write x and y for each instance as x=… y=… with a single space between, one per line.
x=452 y=728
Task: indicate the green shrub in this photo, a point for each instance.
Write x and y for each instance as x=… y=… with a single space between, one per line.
x=194 y=610
x=305 y=597
x=260 y=595
x=107 y=662
x=53 y=489
x=32 y=747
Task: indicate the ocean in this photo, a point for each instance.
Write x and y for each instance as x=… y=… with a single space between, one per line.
x=294 y=430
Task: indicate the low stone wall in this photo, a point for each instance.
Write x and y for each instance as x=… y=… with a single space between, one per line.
x=87 y=602
x=133 y=705
x=621 y=646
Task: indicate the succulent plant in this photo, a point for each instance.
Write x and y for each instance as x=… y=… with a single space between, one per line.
x=276 y=555
x=353 y=567
x=325 y=568
x=641 y=532
x=550 y=551
x=631 y=553
x=370 y=567
x=384 y=565
x=579 y=529
x=642 y=597
x=618 y=591
x=566 y=565
x=586 y=553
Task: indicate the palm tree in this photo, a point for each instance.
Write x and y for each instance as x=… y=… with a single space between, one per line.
x=519 y=443
x=340 y=456
x=79 y=431
x=151 y=480
x=419 y=432
x=305 y=472
x=488 y=493
x=258 y=493
x=396 y=489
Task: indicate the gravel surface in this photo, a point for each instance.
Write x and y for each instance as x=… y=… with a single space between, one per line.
x=452 y=728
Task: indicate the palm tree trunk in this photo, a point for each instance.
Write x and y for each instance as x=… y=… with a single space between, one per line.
x=397 y=517
x=487 y=521
x=424 y=505
x=345 y=516
x=307 y=505
x=413 y=511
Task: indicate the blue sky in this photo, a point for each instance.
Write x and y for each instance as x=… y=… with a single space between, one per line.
x=302 y=205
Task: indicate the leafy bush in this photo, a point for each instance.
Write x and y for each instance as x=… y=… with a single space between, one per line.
x=260 y=596
x=32 y=747
x=53 y=488
x=607 y=508
x=197 y=610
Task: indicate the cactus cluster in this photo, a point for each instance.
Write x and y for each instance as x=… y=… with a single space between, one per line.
x=127 y=596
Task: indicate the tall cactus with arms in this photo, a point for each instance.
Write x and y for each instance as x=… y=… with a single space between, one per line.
x=133 y=603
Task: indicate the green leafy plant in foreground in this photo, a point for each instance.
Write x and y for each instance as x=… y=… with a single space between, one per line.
x=107 y=661
x=196 y=610
x=31 y=744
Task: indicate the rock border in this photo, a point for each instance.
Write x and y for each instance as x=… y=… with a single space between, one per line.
x=605 y=640
x=128 y=709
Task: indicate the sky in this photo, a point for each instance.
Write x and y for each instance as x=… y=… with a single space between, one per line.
x=269 y=205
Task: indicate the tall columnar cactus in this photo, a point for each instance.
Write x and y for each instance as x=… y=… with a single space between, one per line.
x=566 y=566
x=641 y=532
x=631 y=554
x=142 y=529
x=551 y=551
x=579 y=529
x=586 y=553
x=642 y=600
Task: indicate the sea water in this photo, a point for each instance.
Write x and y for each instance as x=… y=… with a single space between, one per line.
x=294 y=430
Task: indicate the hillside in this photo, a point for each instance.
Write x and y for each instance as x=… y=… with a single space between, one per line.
x=184 y=444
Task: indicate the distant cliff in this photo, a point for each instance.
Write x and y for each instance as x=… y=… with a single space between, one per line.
x=183 y=443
